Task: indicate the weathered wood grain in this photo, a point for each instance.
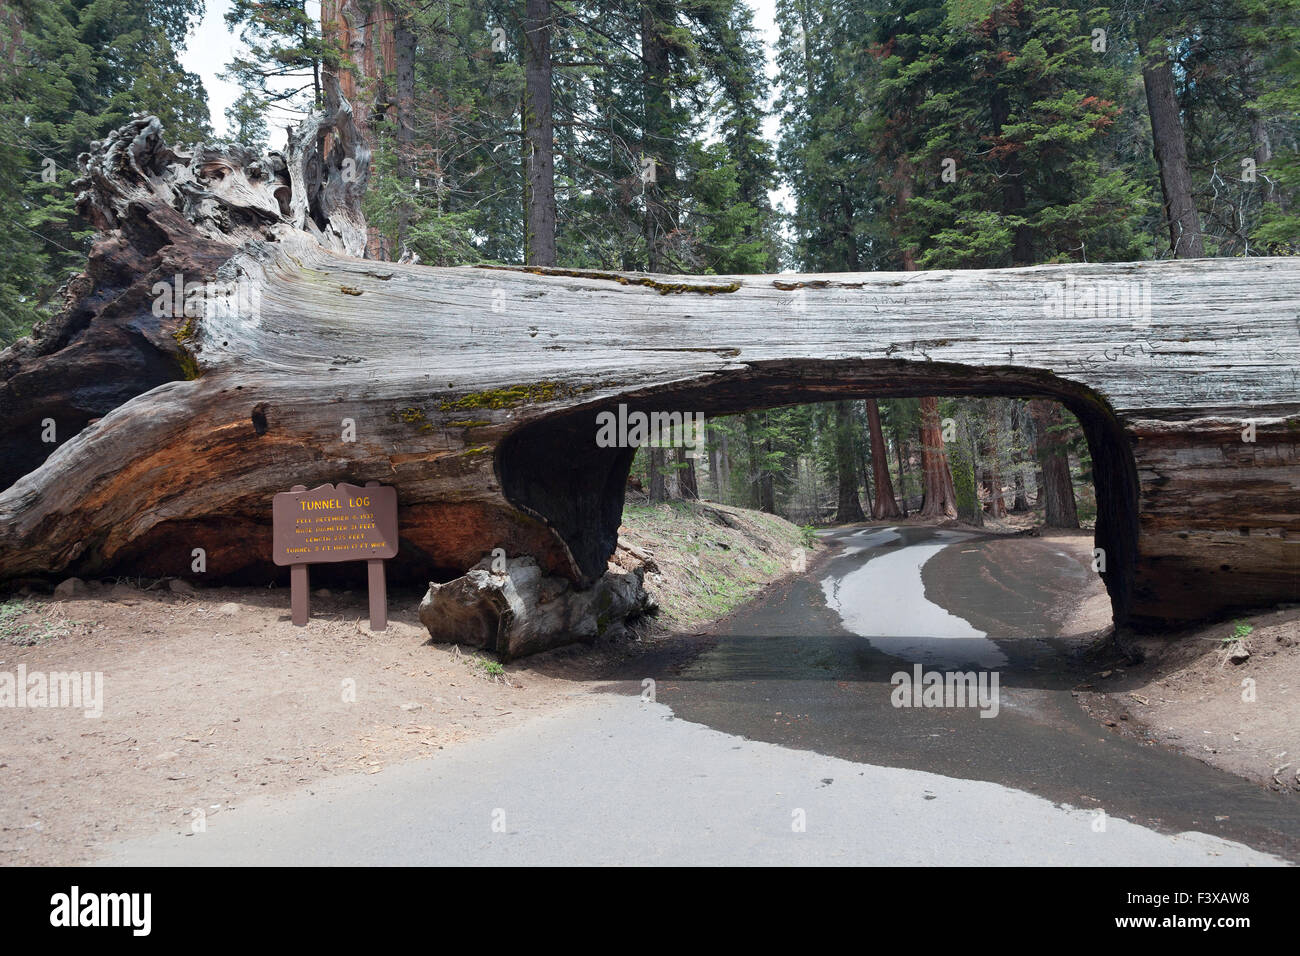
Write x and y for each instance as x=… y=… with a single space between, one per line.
x=474 y=392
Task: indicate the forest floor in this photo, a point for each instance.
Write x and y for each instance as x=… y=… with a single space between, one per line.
x=210 y=696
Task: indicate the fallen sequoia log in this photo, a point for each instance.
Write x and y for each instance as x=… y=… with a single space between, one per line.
x=475 y=391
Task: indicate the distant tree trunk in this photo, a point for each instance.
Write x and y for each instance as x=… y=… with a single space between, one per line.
x=656 y=67
x=1259 y=135
x=1012 y=178
x=755 y=460
x=1057 y=489
x=1170 y=147
x=766 y=481
x=884 y=506
x=864 y=460
x=658 y=480
x=687 y=485
x=903 y=175
x=849 y=509
x=724 y=468
x=996 y=506
x=766 y=494
x=711 y=439
x=539 y=136
x=902 y=470
x=940 y=497
x=968 y=497
x=1018 y=412
x=404 y=45
x=1021 y=503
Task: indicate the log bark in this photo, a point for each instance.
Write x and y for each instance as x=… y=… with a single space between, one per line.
x=519 y=610
x=174 y=430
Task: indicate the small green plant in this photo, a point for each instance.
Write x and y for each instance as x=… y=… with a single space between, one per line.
x=808 y=536
x=493 y=668
x=17 y=633
x=10 y=612
x=1240 y=631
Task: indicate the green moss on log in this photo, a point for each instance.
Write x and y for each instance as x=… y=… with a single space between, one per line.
x=512 y=396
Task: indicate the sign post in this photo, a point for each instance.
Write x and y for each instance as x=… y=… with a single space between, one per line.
x=328 y=524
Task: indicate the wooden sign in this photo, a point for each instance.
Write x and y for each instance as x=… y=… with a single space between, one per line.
x=335 y=523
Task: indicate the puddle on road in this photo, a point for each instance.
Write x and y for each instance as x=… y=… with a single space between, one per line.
x=882 y=598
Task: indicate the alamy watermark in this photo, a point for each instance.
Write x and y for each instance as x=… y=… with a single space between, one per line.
x=923 y=688
x=196 y=300
x=1127 y=299
x=78 y=690
x=75 y=908
x=633 y=429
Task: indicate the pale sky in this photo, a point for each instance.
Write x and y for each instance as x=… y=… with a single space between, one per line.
x=211 y=48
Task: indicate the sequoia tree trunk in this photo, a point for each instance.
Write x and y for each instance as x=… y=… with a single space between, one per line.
x=364 y=32
x=940 y=496
x=657 y=153
x=885 y=506
x=1057 y=489
x=404 y=59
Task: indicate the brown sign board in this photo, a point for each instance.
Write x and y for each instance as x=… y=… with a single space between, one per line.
x=334 y=523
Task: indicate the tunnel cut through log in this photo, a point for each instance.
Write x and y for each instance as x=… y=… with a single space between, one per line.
x=553 y=469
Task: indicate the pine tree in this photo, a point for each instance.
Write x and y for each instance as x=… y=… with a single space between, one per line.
x=994 y=128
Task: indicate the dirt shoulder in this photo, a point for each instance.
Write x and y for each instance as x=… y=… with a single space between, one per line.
x=1194 y=690
x=1198 y=692
x=211 y=696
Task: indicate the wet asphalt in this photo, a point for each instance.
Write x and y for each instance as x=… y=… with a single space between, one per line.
x=809 y=666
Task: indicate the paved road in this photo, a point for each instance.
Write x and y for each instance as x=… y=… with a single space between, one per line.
x=780 y=746
x=614 y=780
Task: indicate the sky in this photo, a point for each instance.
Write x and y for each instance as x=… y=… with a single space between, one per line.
x=212 y=46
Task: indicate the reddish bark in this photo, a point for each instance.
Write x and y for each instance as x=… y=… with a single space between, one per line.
x=940 y=496
x=885 y=506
